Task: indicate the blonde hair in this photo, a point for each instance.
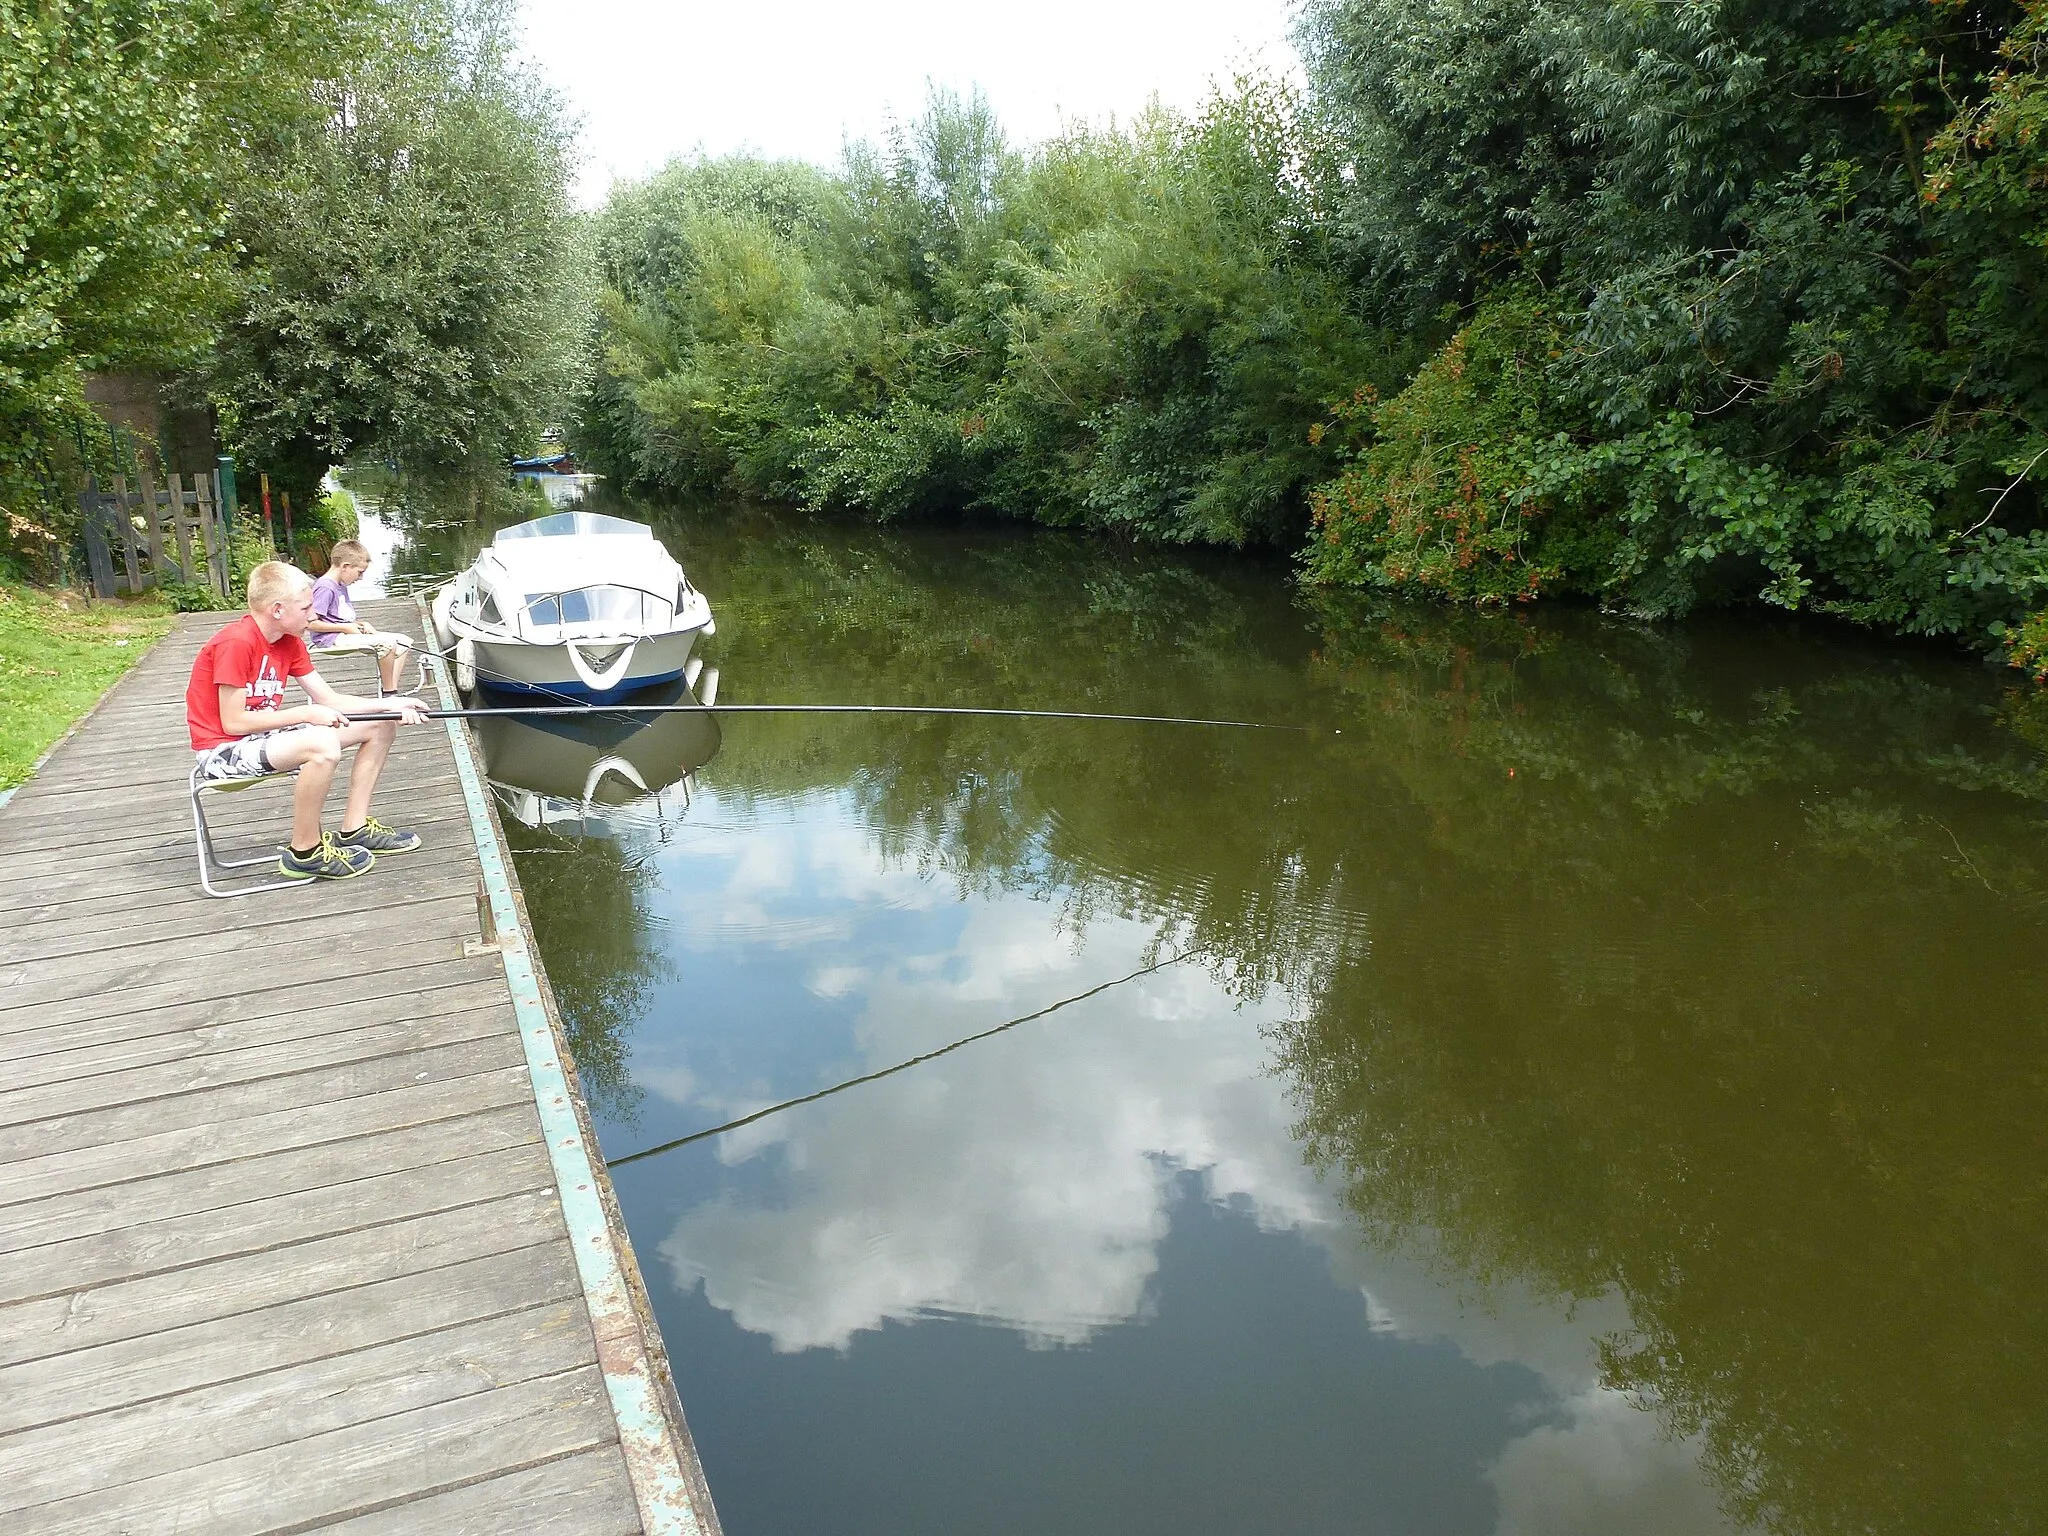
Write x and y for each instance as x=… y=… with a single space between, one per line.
x=274 y=582
x=347 y=552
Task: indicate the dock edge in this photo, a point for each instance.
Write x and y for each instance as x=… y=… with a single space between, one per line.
x=668 y=1482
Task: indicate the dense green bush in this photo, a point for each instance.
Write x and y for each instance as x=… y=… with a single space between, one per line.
x=1793 y=257
x=1698 y=302
x=1129 y=329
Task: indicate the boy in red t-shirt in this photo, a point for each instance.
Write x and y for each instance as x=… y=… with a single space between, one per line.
x=234 y=708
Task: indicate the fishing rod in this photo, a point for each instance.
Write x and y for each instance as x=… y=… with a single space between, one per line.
x=569 y=707
x=901 y=1066
x=511 y=711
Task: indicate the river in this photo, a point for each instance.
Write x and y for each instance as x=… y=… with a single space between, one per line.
x=1592 y=1082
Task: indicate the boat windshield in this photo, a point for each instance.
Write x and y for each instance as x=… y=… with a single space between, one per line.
x=562 y=525
x=624 y=608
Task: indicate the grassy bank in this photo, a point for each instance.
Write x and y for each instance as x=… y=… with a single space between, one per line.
x=58 y=654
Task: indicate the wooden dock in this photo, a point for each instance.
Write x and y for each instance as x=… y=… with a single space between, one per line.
x=298 y=1227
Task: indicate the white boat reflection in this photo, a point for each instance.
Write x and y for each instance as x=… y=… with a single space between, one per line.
x=603 y=773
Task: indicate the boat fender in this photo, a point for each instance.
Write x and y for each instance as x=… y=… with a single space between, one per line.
x=465 y=665
x=709 y=695
x=690 y=670
x=605 y=679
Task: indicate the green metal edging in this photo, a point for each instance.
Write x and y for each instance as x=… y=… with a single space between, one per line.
x=652 y=1459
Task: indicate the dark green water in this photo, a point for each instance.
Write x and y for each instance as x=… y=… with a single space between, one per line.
x=1602 y=1090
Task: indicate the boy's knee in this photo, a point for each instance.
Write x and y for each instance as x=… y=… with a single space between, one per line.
x=310 y=746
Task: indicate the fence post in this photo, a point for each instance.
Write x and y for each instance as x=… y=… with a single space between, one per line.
x=99 y=554
x=227 y=504
x=181 y=527
x=290 y=543
x=269 y=528
x=124 y=521
x=152 y=526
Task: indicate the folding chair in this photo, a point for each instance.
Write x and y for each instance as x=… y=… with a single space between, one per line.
x=210 y=861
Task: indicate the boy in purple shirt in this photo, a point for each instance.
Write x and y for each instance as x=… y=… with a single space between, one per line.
x=335 y=630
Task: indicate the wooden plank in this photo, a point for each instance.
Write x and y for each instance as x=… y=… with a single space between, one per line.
x=390 y=996
x=115 y=916
x=189 y=924
x=165 y=971
x=214 y=525
x=581 y=1495
x=157 y=509
x=72 y=784
x=124 y=527
x=99 y=553
x=228 y=1018
x=404 y=1022
x=57 y=1325
x=358 y=1470
x=152 y=809
x=111 y=1165
x=71 y=1119
x=212 y=1423
x=146 y=1202
x=159 y=815
x=374 y=1200
x=50 y=855
x=105 y=838
x=183 y=527
x=87 y=1381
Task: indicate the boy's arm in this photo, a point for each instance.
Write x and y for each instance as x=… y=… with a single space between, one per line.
x=322 y=692
x=323 y=627
x=237 y=719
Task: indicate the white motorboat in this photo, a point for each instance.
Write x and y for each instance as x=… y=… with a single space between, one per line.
x=575 y=605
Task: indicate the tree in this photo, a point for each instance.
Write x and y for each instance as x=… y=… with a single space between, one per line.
x=409 y=281
x=1781 y=357
x=121 y=123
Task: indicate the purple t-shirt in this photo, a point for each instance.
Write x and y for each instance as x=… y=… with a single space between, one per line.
x=330 y=606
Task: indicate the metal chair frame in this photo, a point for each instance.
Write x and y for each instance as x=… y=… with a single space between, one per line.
x=210 y=860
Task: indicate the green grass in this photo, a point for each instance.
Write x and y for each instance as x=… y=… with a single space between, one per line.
x=58 y=654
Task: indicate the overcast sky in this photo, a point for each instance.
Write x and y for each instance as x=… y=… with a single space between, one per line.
x=796 y=77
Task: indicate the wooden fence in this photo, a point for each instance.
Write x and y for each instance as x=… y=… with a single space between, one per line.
x=142 y=536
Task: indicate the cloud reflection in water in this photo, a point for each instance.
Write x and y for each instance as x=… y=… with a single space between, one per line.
x=1029 y=1181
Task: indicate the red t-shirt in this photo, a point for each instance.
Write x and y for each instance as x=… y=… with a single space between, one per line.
x=240 y=657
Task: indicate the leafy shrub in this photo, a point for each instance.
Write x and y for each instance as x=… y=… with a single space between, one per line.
x=1438 y=500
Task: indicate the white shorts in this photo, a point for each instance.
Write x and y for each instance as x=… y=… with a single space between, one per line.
x=246 y=757
x=382 y=641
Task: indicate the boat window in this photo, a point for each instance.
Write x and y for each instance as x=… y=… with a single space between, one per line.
x=562 y=525
x=488 y=614
x=622 y=607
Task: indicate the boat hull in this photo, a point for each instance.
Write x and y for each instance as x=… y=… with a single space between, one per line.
x=515 y=667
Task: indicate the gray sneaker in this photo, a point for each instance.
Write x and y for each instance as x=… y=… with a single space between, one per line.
x=329 y=861
x=374 y=837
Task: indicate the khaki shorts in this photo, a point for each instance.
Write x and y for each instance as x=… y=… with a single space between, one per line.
x=383 y=642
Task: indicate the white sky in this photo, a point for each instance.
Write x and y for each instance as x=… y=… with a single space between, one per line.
x=796 y=77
